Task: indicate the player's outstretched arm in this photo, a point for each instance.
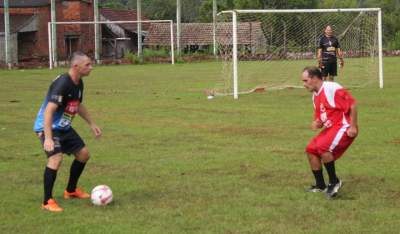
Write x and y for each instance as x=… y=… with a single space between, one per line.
x=352 y=131
x=82 y=111
x=48 y=144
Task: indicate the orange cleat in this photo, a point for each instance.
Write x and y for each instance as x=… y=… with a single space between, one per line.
x=52 y=206
x=79 y=193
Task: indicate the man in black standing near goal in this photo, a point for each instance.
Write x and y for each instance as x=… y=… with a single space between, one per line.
x=328 y=52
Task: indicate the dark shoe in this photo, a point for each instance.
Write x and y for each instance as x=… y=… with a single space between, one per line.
x=333 y=189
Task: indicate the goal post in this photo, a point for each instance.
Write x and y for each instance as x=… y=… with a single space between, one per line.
x=266 y=49
x=52 y=61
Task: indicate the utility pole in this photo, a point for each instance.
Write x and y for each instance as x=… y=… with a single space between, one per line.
x=53 y=32
x=214 y=26
x=7 y=34
x=178 y=27
x=97 y=33
x=139 y=29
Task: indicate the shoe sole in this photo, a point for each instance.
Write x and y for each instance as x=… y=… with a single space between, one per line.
x=316 y=191
x=53 y=211
x=74 y=197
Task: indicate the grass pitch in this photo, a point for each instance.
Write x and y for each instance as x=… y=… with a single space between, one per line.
x=179 y=163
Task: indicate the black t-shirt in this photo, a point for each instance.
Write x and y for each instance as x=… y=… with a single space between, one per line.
x=68 y=96
x=329 y=45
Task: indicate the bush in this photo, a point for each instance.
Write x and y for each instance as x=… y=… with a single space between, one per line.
x=395 y=43
x=162 y=52
x=132 y=57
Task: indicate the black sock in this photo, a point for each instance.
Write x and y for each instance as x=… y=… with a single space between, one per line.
x=76 y=171
x=48 y=180
x=330 y=168
x=319 y=178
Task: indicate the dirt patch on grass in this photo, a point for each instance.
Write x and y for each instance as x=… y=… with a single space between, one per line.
x=236 y=130
x=395 y=141
x=219 y=111
x=393 y=195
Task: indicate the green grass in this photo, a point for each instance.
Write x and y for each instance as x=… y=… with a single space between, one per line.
x=179 y=163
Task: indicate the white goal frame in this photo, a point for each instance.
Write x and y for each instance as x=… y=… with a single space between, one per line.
x=53 y=63
x=234 y=34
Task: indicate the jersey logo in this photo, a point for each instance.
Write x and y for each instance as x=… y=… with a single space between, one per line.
x=72 y=107
x=331 y=49
x=57 y=97
x=324 y=117
x=322 y=107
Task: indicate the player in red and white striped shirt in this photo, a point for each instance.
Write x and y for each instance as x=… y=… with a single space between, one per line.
x=335 y=111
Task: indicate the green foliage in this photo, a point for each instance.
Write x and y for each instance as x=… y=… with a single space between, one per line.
x=132 y=57
x=162 y=52
x=339 y=4
x=201 y=10
x=112 y=4
x=394 y=44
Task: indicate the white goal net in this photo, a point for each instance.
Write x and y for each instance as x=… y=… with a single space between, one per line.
x=267 y=49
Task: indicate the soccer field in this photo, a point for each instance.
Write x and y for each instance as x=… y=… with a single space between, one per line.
x=179 y=163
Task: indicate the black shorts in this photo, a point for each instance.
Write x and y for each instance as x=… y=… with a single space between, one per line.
x=67 y=142
x=330 y=68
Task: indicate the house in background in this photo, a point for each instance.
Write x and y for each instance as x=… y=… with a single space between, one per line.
x=199 y=36
x=22 y=36
x=119 y=39
x=29 y=30
x=28 y=21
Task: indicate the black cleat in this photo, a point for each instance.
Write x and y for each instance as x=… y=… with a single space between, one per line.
x=333 y=189
x=316 y=189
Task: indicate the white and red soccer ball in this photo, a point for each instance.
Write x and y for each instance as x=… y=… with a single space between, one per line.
x=101 y=195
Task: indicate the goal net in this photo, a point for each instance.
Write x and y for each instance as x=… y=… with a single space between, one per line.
x=117 y=41
x=267 y=49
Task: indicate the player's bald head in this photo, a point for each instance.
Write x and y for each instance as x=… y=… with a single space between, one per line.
x=312 y=78
x=77 y=58
x=312 y=72
x=81 y=64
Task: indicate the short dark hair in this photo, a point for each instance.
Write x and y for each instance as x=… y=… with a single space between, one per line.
x=76 y=55
x=313 y=71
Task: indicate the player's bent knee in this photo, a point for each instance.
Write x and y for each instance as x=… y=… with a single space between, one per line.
x=54 y=161
x=83 y=155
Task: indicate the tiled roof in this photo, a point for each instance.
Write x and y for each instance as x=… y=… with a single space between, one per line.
x=16 y=22
x=202 y=33
x=30 y=3
x=26 y=3
x=123 y=15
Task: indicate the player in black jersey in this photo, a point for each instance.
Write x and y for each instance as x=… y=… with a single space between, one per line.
x=53 y=127
x=328 y=52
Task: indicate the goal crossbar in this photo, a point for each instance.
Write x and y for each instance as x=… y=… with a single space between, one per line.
x=50 y=33
x=302 y=10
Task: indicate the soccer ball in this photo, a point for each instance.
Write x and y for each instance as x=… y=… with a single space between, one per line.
x=101 y=195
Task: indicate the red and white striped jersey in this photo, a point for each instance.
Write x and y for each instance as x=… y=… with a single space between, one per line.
x=332 y=105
